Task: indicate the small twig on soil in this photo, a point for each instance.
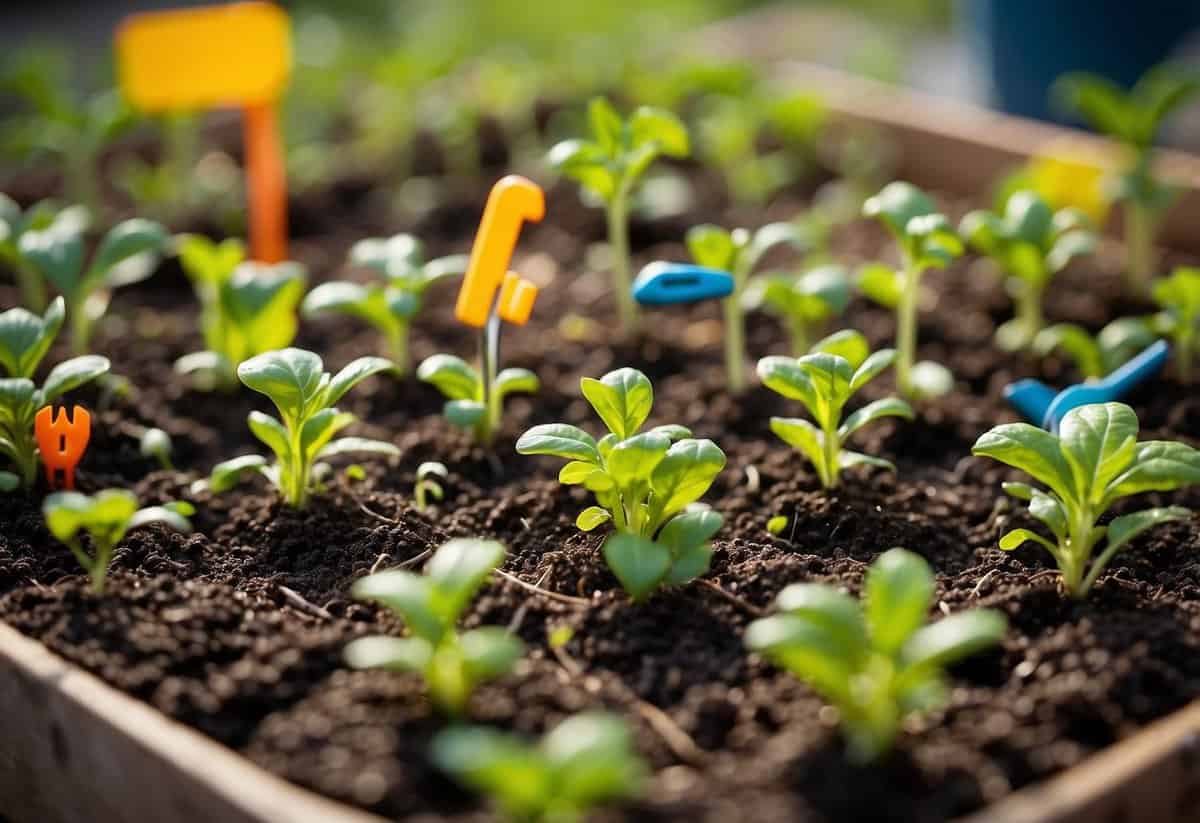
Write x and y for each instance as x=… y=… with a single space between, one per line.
x=566 y=661
x=733 y=598
x=677 y=740
x=982 y=580
x=564 y=598
x=295 y=600
x=412 y=561
x=1043 y=573
x=378 y=561
x=377 y=515
x=519 y=617
x=525 y=524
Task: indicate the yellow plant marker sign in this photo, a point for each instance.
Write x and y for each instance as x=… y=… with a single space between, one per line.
x=237 y=55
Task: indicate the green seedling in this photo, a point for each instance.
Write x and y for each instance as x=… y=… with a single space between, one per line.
x=427 y=485
x=805 y=302
x=645 y=484
x=1030 y=244
x=824 y=381
x=1097 y=356
x=127 y=254
x=24 y=340
x=14 y=223
x=452 y=664
x=609 y=167
x=586 y=760
x=1133 y=118
x=1093 y=462
x=926 y=240
x=777 y=524
x=155 y=444
x=876 y=662
x=738 y=252
x=389 y=305
x=105 y=517
x=246 y=309
x=469 y=405
x=1179 y=298
x=305 y=395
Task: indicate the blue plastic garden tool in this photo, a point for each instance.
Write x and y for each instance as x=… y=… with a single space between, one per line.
x=663 y=284
x=1037 y=401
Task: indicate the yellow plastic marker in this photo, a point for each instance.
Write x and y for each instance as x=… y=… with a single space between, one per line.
x=237 y=55
x=512 y=201
x=517 y=296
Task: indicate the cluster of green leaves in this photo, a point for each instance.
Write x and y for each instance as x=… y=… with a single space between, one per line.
x=1030 y=243
x=305 y=395
x=609 y=166
x=14 y=223
x=427 y=485
x=645 y=483
x=391 y=305
x=452 y=664
x=926 y=240
x=24 y=340
x=105 y=518
x=1096 y=356
x=738 y=252
x=246 y=309
x=805 y=302
x=1178 y=297
x=877 y=662
x=470 y=403
x=127 y=254
x=587 y=759
x=1093 y=462
x=1133 y=118
x=824 y=381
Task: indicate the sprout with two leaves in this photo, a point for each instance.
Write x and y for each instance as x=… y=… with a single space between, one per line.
x=452 y=664
x=738 y=252
x=1094 y=461
x=609 y=167
x=14 y=223
x=1133 y=118
x=305 y=395
x=106 y=518
x=471 y=405
x=246 y=308
x=876 y=662
x=24 y=340
x=427 y=485
x=804 y=302
x=926 y=240
x=1178 y=297
x=1030 y=244
x=824 y=381
x=646 y=484
x=391 y=304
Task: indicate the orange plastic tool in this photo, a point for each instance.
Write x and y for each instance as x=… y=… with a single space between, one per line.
x=513 y=200
x=62 y=440
x=236 y=55
x=517 y=296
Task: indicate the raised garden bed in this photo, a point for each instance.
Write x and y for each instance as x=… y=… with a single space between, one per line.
x=237 y=631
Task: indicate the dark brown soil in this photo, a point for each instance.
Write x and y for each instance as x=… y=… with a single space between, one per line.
x=237 y=630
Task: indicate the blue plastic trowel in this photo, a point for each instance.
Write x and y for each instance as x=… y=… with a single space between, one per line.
x=664 y=284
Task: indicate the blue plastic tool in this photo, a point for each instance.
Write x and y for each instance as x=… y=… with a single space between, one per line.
x=663 y=284
x=1038 y=402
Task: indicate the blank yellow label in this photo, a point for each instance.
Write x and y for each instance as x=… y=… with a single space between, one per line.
x=219 y=56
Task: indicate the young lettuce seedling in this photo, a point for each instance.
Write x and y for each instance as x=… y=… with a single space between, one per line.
x=1030 y=244
x=1133 y=118
x=127 y=254
x=737 y=252
x=1097 y=356
x=1094 y=461
x=877 y=662
x=824 y=381
x=13 y=224
x=246 y=308
x=587 y=759
x=926 y=240
x=644 y=483
x=105 y=517
x=24 y=340
x=452 y=664
x=468 y=405
x=804 y=303
x=305 y=394
x=427 y=485
x=609 y=167
x=1179 y=298
x=391 y=305
x=155 y=444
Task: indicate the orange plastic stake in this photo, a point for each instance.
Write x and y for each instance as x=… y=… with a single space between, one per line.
x=517 y=296
x=62 y=440
x=220 y=56
x=512 y=201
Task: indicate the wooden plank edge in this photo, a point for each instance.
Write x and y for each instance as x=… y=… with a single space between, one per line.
x=74 y=748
